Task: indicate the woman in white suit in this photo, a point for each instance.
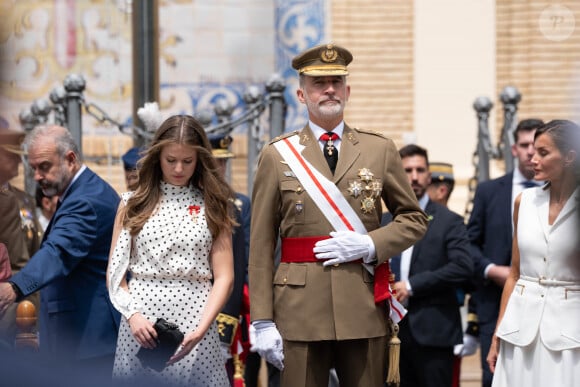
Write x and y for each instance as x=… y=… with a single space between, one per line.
x=537 y=339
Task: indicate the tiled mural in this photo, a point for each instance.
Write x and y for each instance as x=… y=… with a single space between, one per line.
x=299 y=25
x=209 y=50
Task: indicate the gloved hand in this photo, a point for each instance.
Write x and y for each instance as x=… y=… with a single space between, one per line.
x=268 y=343
x=344 y=246
x=252 y=335
x=470 y=345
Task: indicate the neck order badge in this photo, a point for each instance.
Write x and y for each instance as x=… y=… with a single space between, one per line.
x=330 y=152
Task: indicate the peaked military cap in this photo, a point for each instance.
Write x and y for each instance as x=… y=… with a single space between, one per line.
x=130 y=158
x=441 y=172
x=10 y=140
x=325 y=59
x=220 y=145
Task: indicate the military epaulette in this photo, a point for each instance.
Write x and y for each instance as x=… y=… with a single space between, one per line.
x=227 y=326
x=283 y=136
x=368 y=131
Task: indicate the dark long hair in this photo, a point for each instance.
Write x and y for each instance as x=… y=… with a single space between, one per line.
x=566 y=137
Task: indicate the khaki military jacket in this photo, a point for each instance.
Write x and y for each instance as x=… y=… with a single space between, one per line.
x=22 y=234
x=307 y=301
x=19 y=227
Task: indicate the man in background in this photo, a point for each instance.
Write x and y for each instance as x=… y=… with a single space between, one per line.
x=232 y=319
x=490 y=231
x=442 y=182
x=440 y=189
x=426 y=277
x=78 y=324
x=130 y=159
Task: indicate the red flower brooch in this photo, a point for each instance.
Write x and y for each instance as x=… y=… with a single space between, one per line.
x=193 y=211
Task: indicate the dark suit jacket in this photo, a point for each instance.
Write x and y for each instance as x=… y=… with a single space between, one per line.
x=233 y=307
x=77 y=319
x=490 y=232
x=439 y=264
x=245 y=207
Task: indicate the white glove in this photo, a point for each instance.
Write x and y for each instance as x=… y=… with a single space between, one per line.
x=268 y=343
x=252 y=335
x=344 y=246
x=457 y=349
x=470 y=345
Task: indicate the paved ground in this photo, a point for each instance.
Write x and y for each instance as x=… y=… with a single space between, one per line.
x=471 y=371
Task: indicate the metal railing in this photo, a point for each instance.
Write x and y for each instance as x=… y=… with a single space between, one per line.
x=485 y=150
x=66 y=103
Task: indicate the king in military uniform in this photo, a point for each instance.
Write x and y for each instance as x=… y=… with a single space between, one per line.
x=320 y=190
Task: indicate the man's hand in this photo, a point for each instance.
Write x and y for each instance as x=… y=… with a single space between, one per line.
x=402 y=292
x=268 y=343
x=498 y=274
x=343 y=246
x=7 y=297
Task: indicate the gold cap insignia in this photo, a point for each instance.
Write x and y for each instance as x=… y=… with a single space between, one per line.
x=323 y=60
x=329 y=55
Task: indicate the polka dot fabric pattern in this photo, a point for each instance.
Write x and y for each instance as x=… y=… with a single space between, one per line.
x=170 y=277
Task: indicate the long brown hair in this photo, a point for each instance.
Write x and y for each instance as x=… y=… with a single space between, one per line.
x=217 y=193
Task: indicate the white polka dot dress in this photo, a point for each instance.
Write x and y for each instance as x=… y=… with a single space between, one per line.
x=170 y=277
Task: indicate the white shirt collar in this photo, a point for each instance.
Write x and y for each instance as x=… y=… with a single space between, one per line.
x=75 y=177
x=423 y=201
x=318 y=131
x=520 y=178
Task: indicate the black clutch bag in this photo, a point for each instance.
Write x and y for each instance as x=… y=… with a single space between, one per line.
x=168 y=339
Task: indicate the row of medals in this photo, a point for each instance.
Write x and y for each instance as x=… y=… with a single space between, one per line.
x=366 y=186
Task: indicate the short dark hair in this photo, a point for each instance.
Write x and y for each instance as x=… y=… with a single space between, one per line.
x=527 y=125
x=448 y=183
x=413 y=150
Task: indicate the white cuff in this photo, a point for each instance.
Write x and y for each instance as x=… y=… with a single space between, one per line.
x=371 y=258
x=487 y=269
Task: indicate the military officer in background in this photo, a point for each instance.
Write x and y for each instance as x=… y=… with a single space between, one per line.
x=442 y=182
x=441 y=187
x=19 y=227
x=130 y=159
x=320 y=191
x=229 y=319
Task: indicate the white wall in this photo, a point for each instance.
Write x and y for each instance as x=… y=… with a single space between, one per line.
x=454 y=64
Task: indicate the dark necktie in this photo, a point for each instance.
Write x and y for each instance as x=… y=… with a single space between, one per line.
x=529 y=184
x=329 y=151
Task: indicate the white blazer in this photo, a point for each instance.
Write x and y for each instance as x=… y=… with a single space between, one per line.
x=546 y=298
